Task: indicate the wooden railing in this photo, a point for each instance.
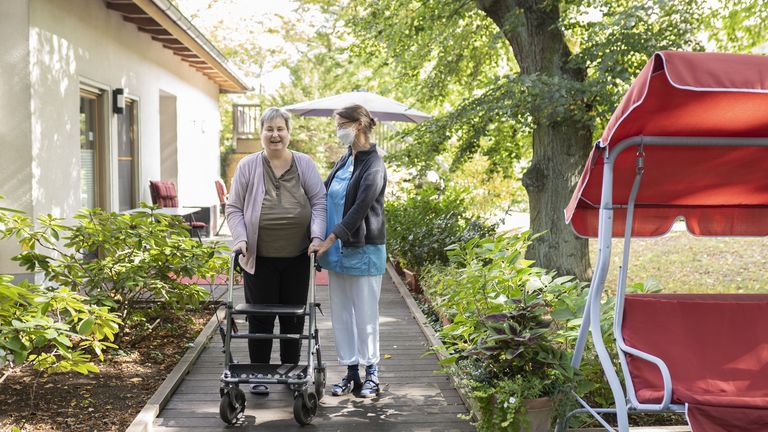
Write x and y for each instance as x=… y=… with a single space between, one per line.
x=245 y=121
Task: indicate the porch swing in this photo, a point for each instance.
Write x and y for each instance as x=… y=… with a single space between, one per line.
x=689 y=140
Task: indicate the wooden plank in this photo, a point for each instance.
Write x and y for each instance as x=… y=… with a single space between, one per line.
x=168 y=40
x=156 y=32
x=273 y=415
x=186 y=55
x=283 y=402
x=426 y=329
x=126 y=8
x=357 y=426
x=178 y=48
x=415 y=397
x=422 y=410
x=211 y=385
x=143 y=21
x=163 y=394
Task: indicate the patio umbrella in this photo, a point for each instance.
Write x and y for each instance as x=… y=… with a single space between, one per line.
x=381 y=108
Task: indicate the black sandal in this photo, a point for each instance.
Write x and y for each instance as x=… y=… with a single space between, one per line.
x=346 y=386
x=370 y=387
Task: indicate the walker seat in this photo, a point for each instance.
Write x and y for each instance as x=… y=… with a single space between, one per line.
x=716 y=349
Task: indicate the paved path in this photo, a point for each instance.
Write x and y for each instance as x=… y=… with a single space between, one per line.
x=415 y=398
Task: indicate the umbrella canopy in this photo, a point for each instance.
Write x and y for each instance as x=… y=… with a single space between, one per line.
x=381 y=108
x=719 y=190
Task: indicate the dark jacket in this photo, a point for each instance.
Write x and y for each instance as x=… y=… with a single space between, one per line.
x=363 y=220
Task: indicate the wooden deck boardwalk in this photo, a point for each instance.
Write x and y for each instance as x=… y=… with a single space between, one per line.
x=415 y=398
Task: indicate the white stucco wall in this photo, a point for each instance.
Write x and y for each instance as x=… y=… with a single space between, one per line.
x=15 y=135
x=69 y=42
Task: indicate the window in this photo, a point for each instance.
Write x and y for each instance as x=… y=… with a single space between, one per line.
x=127 y=167
x=91 y=148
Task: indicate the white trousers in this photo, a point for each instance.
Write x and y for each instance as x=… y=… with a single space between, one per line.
x=355 y=317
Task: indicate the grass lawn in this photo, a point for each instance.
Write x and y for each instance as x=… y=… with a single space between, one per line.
x=680 y=262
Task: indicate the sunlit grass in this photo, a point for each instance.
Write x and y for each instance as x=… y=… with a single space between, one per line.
x=679 y=262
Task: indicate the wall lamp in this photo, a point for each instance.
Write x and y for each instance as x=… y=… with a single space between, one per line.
x=118 y=101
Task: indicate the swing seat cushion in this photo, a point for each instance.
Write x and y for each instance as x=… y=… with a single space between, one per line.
x=715 y=346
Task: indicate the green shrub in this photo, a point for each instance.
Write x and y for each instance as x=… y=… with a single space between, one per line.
x=420 y=228
x=51 y=329
x=122 y=261
x=511 y=327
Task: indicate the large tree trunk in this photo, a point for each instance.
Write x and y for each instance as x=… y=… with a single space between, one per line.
x=558 y=157
x=559 y=150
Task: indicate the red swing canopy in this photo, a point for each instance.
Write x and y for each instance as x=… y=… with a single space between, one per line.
x=720 y=190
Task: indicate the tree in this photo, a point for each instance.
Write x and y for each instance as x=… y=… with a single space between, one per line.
x=538 y=74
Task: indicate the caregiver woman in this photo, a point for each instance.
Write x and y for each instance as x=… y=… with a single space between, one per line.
x=354 y=251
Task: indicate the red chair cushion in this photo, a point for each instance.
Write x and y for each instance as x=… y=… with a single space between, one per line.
x=715 y=346
x=221 y=191
x=163 y=193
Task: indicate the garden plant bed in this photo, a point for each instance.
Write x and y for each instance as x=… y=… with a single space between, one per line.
x=104 y=401
x=431 y=320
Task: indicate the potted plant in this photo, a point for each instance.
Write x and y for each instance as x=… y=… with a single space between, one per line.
x=509 y=331
x=525 y=370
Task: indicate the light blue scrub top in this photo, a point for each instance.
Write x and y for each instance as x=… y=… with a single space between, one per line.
x=368 y=260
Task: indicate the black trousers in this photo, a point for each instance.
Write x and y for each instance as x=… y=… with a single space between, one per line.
x=277 y=281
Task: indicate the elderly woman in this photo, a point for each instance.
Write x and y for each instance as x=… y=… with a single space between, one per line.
x=276 y=210
x=354 y=250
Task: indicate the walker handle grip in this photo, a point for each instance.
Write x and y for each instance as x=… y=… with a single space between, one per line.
x=235 y=263
x=314 y=260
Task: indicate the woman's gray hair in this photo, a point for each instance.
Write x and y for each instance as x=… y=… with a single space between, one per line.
x=273 y=113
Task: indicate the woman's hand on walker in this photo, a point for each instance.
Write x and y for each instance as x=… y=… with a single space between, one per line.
x=314 y=246
x=242 y=246
x=325 y=245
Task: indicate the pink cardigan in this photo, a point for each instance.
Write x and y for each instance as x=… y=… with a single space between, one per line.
x=247 y=195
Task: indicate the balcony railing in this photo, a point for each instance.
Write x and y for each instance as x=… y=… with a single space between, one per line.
x=245 y=121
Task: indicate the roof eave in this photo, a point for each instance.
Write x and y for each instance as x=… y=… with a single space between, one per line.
x=179 y=27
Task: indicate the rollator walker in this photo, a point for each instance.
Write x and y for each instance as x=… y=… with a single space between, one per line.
x=306 y=380
x=689 y=140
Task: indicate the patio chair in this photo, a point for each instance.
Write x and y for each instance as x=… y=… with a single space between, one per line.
x=221 y=191
x=163 y=194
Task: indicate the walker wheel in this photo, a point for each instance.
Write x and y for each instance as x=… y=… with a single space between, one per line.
x=232 y=404
x=320 y=382
x=303 y=413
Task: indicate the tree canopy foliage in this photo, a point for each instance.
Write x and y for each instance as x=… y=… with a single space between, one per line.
x=455 y=57
x=518 y=82
x=538 y=79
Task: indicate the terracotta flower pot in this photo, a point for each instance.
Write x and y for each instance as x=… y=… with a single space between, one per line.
x=412 y=281
x=398 y=268
x=540 y=412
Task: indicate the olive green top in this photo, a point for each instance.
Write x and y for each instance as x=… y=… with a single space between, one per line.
x=285 y=215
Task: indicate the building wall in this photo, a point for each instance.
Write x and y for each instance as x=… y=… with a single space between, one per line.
x=15 y=128
x=70 y=42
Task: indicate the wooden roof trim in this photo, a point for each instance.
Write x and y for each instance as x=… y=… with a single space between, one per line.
x=129 y=9
x=170 y=40
x=166 y=25
x=155 y=31
x=235 y=83
x=142 y=21
x=186 y=55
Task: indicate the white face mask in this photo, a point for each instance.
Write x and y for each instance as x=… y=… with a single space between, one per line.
x=346 y=136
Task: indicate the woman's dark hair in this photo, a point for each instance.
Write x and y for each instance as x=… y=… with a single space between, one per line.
x=358 y=113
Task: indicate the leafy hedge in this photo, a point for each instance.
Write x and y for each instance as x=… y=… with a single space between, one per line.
x=102 y=274
x=427 y=221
